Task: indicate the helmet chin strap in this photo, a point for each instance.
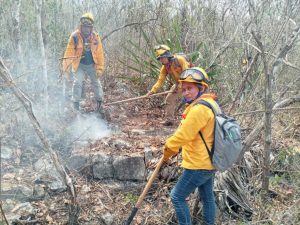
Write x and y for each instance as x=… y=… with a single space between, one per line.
x=190 y=101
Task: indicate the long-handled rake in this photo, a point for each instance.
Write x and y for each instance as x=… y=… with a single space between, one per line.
x=146 y=189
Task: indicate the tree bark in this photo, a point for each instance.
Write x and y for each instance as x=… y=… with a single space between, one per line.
x=267 y=121
x=268 y=102
x=184 y=27
x=44 y=80
x=17 y=35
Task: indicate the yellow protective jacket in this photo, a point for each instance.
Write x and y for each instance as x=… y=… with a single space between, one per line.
x=195 y=118
x=74 y=52
x=176 y=67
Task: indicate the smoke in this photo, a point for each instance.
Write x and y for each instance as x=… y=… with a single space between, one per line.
x=89 y=126
x=54 y=112
x=61 y=124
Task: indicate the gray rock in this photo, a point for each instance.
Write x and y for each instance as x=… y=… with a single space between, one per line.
x=120 y=144
x=6 y=152
x=25 y=190
x=129 y=168
x=22 y=209
x=102 y=166
x=107 y=218
x=57 y=186
x=78 y=162
x=38 y=191
x=48 y=175
x=9 y=204
x=22 y=191
x=148 y=154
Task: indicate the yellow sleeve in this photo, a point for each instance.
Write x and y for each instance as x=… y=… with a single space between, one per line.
x=188 y=131
x=160 y=81
x=99 y=56
x=69 y=55
x=183 y=63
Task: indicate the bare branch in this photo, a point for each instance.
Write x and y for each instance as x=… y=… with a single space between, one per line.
x=222 y=49
x=263 y=111
x=260 y=125
x=2 y=213
x=126 y=25
x=242 y=85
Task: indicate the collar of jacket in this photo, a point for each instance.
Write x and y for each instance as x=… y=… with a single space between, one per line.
x=90 y=37
x=189 y=106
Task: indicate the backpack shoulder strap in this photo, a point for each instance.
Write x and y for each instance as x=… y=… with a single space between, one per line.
x=210 y=153
x=207 y=104
x=75 y=39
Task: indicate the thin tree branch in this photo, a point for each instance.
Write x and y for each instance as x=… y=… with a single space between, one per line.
x=2 y=213
x=263 y=111
x=126 y=25
x=222 y=49
x=1 y=209
x=260 y=125
x=242 y=85
x=284 y=61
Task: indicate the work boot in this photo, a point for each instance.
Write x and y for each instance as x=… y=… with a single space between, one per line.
x=76 y=105
x=100 y=109
x=99 y=106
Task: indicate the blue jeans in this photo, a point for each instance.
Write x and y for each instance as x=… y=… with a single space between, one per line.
x=187 y=183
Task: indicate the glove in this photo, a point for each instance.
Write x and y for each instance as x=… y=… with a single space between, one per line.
x=168 y=153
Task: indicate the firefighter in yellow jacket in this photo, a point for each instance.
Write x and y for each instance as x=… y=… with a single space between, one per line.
x=172 y=65
x=84 y=56
x=198 y=169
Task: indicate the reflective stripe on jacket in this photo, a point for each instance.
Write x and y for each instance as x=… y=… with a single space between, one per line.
x=74 y=52
x=178 y=65
x=195 y=118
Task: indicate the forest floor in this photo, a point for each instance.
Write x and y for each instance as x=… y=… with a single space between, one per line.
x=109 y=201
x=138 y=123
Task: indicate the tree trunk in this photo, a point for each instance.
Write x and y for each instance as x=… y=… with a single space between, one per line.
x=267 y=120
x=268 y=101
x=17 y=36
x=268 y=128
x=184 y=27
x=44 y=80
